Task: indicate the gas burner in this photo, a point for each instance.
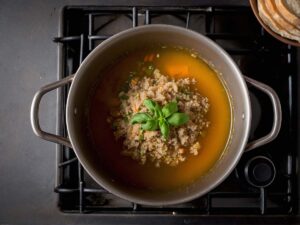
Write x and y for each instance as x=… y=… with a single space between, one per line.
x=255 y=170
x=260 y=172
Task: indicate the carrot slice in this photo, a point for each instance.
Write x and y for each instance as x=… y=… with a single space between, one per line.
x=146 y=58
x=151 y=57
x=177 y=69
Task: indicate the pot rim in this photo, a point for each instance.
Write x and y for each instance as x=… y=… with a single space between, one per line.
x=93 y=173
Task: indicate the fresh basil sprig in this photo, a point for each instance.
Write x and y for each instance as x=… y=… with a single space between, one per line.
x=160 y=118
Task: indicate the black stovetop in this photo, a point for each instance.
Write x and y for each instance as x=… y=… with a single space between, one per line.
x=258 y=55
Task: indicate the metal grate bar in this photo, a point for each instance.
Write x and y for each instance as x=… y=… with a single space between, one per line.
x=81 y=188
x=134 y=17
x=66 y=163
x=91 y=28
x=147 y=17
x=66 y=39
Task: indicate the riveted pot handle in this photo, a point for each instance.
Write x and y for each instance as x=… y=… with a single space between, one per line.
x=34 y=112
x=277 y=114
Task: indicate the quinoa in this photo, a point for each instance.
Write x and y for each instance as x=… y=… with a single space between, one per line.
x=149 y=146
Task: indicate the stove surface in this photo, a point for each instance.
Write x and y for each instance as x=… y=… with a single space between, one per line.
x=28 y=165
x=265 y=180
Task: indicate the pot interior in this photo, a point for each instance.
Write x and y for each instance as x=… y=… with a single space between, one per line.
x=126 y=41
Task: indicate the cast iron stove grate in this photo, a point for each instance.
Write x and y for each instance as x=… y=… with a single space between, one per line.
x=258 y=56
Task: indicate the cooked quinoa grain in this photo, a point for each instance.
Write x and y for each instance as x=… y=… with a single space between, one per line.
x=144 y=146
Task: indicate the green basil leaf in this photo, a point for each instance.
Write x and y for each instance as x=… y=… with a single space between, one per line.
x=150 y=125
x=140 y=118
x=123 y=97
x=149 y=69
x=178 y=119
x=158 y=112
x=151 y=105
x=164 y=128
x=169 y=109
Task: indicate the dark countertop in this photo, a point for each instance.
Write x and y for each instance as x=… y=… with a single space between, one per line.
x=27 y=163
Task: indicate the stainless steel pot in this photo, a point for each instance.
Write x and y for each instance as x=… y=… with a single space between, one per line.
x=115 y=46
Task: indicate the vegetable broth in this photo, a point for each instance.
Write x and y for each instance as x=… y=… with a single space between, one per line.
x=176 y=63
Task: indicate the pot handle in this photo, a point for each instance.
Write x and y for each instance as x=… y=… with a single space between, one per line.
x=34 y=112
x=277 y=114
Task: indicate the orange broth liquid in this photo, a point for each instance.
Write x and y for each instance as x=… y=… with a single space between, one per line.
x=176 y=63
